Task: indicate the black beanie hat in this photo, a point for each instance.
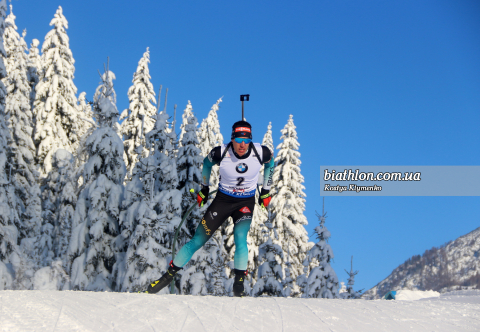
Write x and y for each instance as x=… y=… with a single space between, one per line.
x=241 y=129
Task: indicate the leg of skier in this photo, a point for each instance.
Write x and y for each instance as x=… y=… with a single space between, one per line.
x=240 y=232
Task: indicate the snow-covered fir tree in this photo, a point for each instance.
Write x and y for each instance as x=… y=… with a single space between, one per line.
x=87 y=117
x=3 y=54
x=189 y=165
x=85 y=114
x=322 y=281
x=92 y=247
x=168 y=198
x=288 y=203
x=34 y=65
x=270 y=272
x=209 y=136
x=16 y=268
x=20 y=122
x=8 y=213
x=187 y=113
x=146 y=238
x=349 y=292
x=11 y=40
x=57 y=117
x=140 y=114
x=260 y=216
x=9 y=251
x=59 y=201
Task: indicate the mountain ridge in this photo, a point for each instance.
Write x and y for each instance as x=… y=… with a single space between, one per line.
x=454 y=265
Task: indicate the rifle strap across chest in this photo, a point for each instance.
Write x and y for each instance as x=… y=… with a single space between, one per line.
x=252 y=146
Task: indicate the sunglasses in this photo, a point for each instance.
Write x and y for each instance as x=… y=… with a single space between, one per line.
x=245 y=140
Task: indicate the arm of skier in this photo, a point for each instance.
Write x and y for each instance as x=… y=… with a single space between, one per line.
x=211 y=159
x=269 y=165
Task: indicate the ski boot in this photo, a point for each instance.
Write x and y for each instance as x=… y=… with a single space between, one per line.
x=164 y=281
x=238 y=288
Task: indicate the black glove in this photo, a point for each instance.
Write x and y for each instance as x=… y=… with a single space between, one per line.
x=202 y=195
x=264 y=198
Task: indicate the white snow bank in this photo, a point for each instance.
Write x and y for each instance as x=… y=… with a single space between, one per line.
x=104 y=311
x=409 y=295
x=466 y=292
x=462 y=296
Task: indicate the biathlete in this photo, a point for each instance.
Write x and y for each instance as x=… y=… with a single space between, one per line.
x=240 y=162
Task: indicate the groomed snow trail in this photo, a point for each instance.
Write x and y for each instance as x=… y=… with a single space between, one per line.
x=90 y=311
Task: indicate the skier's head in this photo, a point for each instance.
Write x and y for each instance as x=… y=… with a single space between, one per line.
x=241 y=137
x=241 y=129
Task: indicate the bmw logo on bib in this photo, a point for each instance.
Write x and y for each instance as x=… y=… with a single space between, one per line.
x=241 y=168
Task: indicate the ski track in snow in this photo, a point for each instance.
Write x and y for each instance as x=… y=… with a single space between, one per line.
x=316 y=316
x=133 y=312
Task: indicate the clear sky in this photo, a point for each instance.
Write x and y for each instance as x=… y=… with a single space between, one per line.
x=368 y=83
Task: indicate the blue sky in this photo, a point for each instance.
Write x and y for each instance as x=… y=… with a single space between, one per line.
x=368 y=83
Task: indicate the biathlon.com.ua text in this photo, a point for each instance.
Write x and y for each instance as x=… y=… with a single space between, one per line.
x=350 y=175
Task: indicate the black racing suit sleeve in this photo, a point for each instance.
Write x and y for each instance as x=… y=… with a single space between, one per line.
x=215 y=156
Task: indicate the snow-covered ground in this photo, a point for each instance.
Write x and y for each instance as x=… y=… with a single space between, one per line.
x=90 y=311
x=409 y=295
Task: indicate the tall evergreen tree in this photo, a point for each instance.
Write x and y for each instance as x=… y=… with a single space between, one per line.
x=34 y=65
x=322 y=280
x=92 y=248
x=144 y=236
x=3 y=53
x=9 y=251
x=168 y=198
x=209 y=136
x=270 y=272
x=189 y=164
x=59 y=201
x=86 y=115
x=187 y=114
x=10 y=43
x=140 y=114
x=288 y=202
x=20 y=122
x=147 y=228
x=57 y=117
x=16 y=269
x=260 y=216
x=350 y=293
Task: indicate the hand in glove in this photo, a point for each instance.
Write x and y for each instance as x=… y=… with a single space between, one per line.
x=202 y=195
x=264 y=198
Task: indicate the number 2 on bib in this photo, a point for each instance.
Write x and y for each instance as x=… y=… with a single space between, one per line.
x=240 y=180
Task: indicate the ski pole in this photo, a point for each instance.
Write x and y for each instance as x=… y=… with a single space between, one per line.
x=172 y=285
